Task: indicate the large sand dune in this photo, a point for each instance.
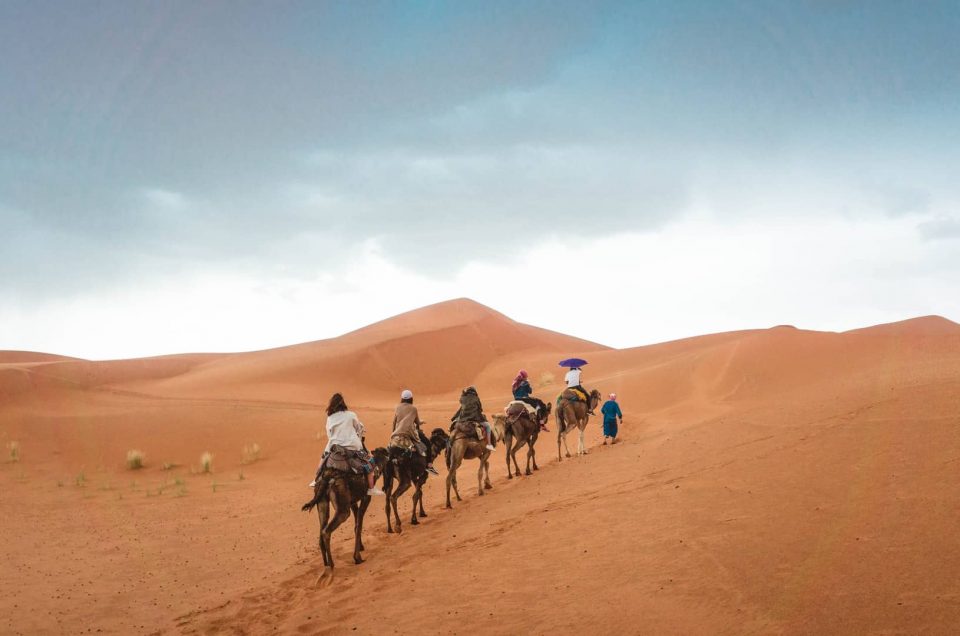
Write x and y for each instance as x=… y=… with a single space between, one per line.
x=769 y=481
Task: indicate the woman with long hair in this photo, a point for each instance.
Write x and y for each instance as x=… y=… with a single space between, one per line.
x=345 y=429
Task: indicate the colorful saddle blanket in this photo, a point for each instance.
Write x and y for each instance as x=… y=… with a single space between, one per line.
x=574 y=395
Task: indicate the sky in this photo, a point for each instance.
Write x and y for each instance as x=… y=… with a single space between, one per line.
x=224 y=176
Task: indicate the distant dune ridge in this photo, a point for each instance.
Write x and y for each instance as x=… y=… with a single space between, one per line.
x=769 y=481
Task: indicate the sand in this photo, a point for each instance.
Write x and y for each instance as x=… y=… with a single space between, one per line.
x=767 y=481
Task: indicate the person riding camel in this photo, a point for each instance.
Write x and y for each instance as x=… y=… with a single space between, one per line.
x=522 y=391
x=471 y=410
x=344 y=429
x=573 y=382
x=406 y=428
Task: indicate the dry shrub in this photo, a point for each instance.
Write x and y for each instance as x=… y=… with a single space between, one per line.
x=546 y=379
x=251 y=453
x=14 y=449
x=135 y=459
x=206 y=462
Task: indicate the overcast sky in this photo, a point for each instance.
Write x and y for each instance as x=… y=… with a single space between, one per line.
x=183 y=176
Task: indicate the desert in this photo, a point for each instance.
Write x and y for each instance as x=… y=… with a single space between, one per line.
x=768 y=481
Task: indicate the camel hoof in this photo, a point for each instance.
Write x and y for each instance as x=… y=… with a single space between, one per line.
x=414 y=522
x=529 y=472
x=326 y=577
x=389 y=530
x=357 y=559
x=518 y=473
x=448 y=507
x=423 y=514
x=509 y=476
x=488 y=486
x=569 y=455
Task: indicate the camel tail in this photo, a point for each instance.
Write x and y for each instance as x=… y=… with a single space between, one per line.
x=307 y=507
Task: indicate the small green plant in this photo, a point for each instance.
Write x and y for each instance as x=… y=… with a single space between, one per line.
x=179 y=481
x=206 y=462
x=80 y=479
x=135 y=459
x=14 y=449
x=251 y=453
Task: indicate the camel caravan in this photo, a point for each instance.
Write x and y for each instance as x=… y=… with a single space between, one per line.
x=347 y=476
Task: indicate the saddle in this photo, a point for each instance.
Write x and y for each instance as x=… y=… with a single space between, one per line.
x=517 y=408
x=473 y=430
x=346 y=460
x=574 y=395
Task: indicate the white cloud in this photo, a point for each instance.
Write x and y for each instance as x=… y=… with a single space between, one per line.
x=697 y=276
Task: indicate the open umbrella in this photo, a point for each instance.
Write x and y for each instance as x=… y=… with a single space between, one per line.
x=572 y=362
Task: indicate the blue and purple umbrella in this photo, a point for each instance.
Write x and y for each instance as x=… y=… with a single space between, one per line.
x=572 y=362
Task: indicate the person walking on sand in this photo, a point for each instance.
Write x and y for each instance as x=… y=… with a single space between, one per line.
x=406 y=428
x=611 y=415
x=344 y=429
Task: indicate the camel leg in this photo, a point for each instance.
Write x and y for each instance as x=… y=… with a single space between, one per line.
x=530 y=453
x=402 y=488
x=480 y=478
x=362 y=509
x=323 y=512
x=513 y=453
x=486 y=468
x=508 y=444
x=417 y=493
x=357 y=529
x=583 y=447
x=341 y=512
x=423 y=513
x=388 y=489
x=565 y=447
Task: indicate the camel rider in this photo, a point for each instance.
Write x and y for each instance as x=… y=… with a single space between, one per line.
x=345 y=429
x=573 y=382
x=522 y=391
x=521 y=386
x=406 y=428
x=471 y=410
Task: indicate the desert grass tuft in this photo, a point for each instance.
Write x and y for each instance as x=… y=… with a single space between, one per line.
x=251 y=453
x=135 y=459
x=206 y=462
x=546 y=379
x=13 y=448
x=80 y=479
x=168 y=466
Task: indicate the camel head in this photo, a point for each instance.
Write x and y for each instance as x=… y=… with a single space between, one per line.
x=543 y=413
x=594 y=399
x=499 y=426
x=438 y=440
x=380 y=458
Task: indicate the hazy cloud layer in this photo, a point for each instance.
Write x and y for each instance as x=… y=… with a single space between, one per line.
x=140 y=142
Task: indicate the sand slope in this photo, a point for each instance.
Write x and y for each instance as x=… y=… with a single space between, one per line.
x=769 y=481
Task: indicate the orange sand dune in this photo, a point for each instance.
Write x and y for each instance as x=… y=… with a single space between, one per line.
x=768 y=481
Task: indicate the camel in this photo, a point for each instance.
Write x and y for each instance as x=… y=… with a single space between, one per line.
x=525 y=430
x=573 y=414
x=464 y=445
x=347 y=491
x=410 y=468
